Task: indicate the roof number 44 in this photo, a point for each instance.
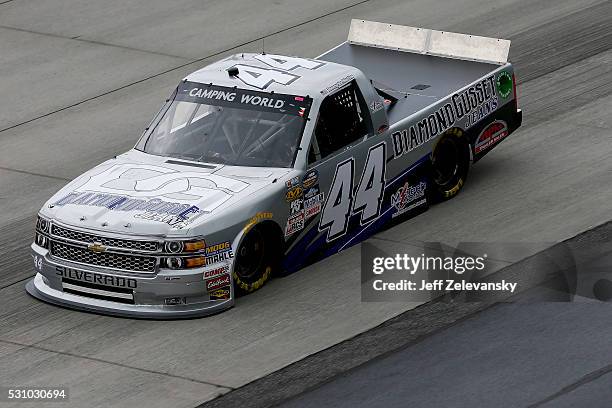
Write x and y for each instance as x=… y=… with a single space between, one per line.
x=261 y=78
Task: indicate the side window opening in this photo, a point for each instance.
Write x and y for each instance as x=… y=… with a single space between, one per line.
x=342 y=121
x=312 y=156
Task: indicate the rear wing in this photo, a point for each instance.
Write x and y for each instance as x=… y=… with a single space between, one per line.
x=429 y=42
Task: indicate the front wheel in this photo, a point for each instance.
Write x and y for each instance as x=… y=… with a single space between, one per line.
x=256 y=260
x=450 y=163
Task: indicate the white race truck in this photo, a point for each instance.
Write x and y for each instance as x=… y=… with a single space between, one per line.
x=260 y=164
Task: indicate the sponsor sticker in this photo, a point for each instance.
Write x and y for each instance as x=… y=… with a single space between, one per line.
x=258 y=77
x=470 y=104
x=295 y=223
x=218 y=252
x=483 y=110
x=504 y=84
x=219 y=294
x=150 y=192
x=228 y=96
x=310 y=179
x=220 y=257
x=217 y=248
x=173 y=301
x=217 y=283
x=175 y=221
x=309 y=202
x=294 y=193
x=311 y=192
x=292 y=182
x=312 y=210
x=296 y=206
x=215 y=272
x=174 y=214
x=491 y=135
x=375 y=106
x=408 y=197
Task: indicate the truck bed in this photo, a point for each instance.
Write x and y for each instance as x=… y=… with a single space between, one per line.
x=425 y=79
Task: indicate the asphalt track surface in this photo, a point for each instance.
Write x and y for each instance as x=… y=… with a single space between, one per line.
x=534 y=349
x=548 y=356
x=80 y=81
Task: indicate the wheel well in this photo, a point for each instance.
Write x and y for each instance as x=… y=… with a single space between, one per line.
x=451 y=157
x=456 y=132
x=273 y=234
x=272 y=231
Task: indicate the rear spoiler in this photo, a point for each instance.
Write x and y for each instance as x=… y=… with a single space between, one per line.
x=429 y=42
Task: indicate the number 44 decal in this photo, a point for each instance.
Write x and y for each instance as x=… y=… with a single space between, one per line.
x=367 y=199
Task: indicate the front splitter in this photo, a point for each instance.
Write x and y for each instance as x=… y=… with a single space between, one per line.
x=37 y=288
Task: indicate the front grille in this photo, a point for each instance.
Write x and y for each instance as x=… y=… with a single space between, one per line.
x=126 y=262
x=149 y=246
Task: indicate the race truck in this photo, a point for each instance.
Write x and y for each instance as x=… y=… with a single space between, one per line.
x=260 y=164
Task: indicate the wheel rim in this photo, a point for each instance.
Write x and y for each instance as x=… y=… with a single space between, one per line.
x=445 y=161
x=250 y=256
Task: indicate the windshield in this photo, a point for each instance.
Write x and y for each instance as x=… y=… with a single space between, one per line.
x=229 y=126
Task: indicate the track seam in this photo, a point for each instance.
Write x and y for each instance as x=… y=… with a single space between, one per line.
x=216 y=53
x=16 y=282
x=84 y=40
x=31 y=173
x=590 y=377
x=98 y=360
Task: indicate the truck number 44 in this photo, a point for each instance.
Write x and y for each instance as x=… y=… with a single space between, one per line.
x=367 y=199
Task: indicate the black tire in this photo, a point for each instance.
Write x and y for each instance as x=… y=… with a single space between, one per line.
x=450 y=164
x=257 y=259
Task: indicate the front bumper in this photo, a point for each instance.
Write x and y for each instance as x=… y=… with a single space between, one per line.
x=148 y=296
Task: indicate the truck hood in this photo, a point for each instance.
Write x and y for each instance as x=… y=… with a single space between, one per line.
x=142 y=194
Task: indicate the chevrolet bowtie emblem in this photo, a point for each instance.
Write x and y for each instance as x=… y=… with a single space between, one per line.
x=96 y=247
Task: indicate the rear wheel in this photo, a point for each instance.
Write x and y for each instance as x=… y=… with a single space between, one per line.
x=450 y=163
x=256 y=260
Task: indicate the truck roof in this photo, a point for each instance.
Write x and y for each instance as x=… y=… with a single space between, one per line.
x=309 y=77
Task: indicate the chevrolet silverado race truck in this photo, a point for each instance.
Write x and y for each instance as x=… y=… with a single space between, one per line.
x=260 y=164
